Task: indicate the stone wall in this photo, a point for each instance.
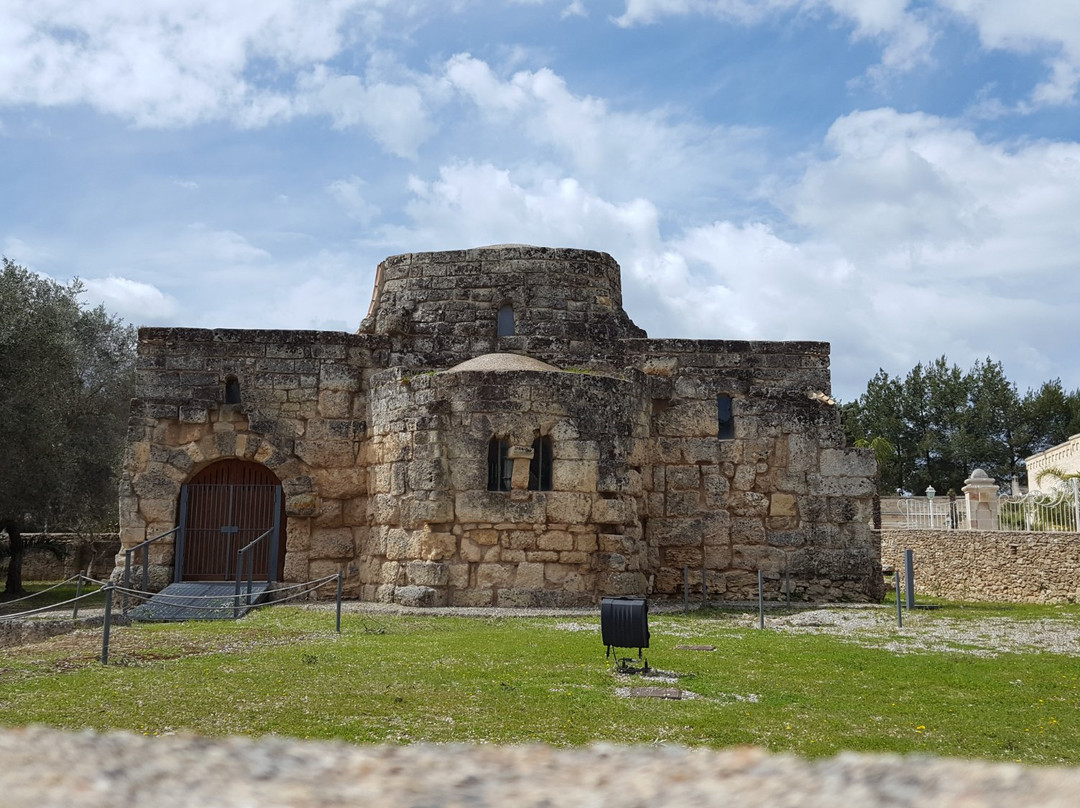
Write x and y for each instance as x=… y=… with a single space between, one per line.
x=440 y=537
x=989 y=566
x=783 y=495
x=95 y=552
x=302 y=414
x=379 y=440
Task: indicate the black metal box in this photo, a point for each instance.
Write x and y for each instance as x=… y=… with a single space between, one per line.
x=624 y=622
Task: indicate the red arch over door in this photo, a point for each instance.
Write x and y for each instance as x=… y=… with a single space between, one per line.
x=224 y=507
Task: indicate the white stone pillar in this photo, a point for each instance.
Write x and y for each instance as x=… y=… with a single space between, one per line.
x=981 y=493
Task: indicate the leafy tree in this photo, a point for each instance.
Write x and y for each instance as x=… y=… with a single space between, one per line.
x=942 y=423
x=66 y=380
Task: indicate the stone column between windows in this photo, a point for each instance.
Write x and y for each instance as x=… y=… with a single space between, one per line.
x=522 y=457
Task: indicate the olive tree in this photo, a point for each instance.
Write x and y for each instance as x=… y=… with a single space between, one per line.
x=66 y=380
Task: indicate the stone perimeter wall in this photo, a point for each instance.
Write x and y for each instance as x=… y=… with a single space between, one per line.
x=994 y=566
x=94 y=552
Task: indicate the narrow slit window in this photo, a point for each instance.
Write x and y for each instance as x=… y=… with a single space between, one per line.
x=232 y=390
x=500 y=467
x=506 y=320
x=725 y=421
x=540 y=465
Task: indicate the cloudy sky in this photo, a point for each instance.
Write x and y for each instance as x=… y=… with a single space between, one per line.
x=898 y=177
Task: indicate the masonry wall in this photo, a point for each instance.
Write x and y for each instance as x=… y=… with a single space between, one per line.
x=439 y=537
x=302 y=414
x=94 y=552
x=381 y=445
x=989 y=566
x=784 y=495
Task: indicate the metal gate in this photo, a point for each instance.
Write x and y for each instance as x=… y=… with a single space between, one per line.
x=224 y=509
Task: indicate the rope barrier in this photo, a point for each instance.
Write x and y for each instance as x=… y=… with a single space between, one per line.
x=225 y=601
x=42 y=591
x=146 y=593
x=50 y=607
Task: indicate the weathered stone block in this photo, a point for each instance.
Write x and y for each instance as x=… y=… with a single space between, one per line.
x=781 y=504
x=555 y=540
x=613 y=512
x=495 y=506
x=574 y=475
x=529 y=575
x=427 y=573
x=296 y=567
x=419 y=596
x=402 y=544
x=472 y=597
x=437 y=545
x=494 y=576
x=564 y=507
x=332 y=543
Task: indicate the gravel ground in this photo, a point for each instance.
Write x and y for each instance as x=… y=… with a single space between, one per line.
x=48 y=768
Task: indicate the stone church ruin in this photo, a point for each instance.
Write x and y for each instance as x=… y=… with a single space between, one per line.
x=498 y=432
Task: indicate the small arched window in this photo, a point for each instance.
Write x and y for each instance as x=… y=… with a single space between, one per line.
x=500 y=467
x=506 y=320
x=540 y=465
x=232 y=390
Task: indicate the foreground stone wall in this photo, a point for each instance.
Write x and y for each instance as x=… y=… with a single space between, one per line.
x=989 y=566
x=47 y=768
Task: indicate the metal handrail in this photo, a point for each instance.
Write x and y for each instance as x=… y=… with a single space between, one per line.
x=242 y=556
x=145 y=560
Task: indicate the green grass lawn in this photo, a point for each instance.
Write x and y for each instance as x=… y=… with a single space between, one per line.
x=47 y=593
x=520 y=680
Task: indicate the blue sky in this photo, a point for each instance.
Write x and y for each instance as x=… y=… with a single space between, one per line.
x=899 y=178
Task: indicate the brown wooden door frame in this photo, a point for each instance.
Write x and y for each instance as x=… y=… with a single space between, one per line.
x=222 y=508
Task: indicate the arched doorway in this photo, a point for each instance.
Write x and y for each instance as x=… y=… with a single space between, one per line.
x=223 y=508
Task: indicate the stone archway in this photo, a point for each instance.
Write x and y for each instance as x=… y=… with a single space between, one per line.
x=222 y=508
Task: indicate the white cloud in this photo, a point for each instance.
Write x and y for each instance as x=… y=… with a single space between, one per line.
x=906 y=36
x=617 y=153
x=394 y=114
x=908 y=29
x=181 y=62
x=349 y=194
x=134 y=301
x=474 y=204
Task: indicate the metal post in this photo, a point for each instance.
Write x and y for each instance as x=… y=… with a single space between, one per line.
x=127 y=580
x=337 y=626
x=236 y=591
x=760 y=601
x=108 y=590
x=78 y=594
x=704 y=587
x=909 y=577
x=899 y=612
x=146 y=568
x=787 y=583
x=1076 y=503
x=685 y=588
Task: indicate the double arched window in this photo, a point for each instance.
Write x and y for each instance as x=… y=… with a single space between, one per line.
x=501 y=465
x=540 y=465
